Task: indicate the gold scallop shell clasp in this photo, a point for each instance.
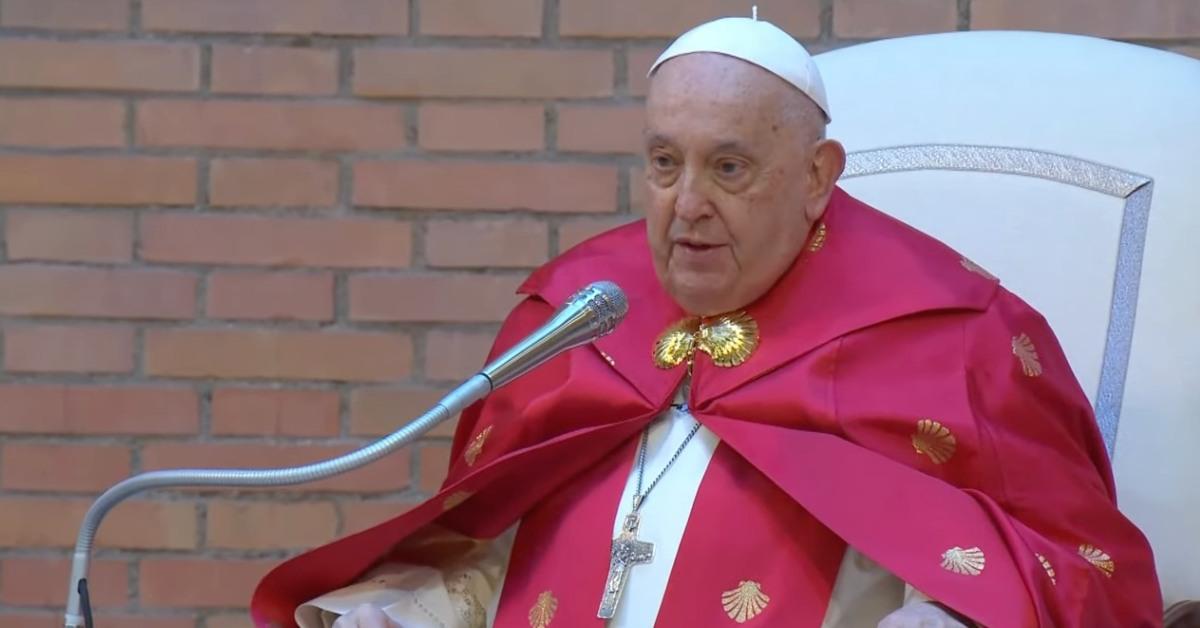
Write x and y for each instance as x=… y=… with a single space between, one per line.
x=543 y=610
x=745 y=602
x=934 y=440
x=1022 y=347
x=471 y=453
x=1098 y=558
x=967 y=562
x=728 y=339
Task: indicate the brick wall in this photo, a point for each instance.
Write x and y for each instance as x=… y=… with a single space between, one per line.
x=261 y=232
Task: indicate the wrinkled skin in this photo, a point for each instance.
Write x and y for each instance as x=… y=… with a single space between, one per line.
x=737 y=173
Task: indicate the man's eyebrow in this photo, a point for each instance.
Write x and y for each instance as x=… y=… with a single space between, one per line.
x=727 y=146
x=655 y=138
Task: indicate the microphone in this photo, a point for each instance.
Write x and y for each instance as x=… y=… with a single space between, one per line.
x=590 y=313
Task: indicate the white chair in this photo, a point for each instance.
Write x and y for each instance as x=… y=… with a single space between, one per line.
x=1069 y=167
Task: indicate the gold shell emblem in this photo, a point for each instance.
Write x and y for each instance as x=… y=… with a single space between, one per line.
x=977 y=269
x=676 y=344
x=471 y=454
x=1098 y=558
x=745 y=602
x=543 y=610
x=934 y=440
x=730 y=339
x=1023 y=348
x=1049 y=569
x=968 y=562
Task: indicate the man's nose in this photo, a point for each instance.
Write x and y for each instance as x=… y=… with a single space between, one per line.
x=692 y=203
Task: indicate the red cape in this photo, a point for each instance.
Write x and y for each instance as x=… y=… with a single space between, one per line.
x=827 y=438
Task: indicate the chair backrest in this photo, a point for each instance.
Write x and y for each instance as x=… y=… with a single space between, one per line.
x=1069 y=167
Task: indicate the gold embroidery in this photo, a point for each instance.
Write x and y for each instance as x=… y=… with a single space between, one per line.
x=1098 y=558
x=968 y=562
x=934 y=440
x=745 y=602
x=976 y=268
x=476 y=447
x=542 y=612
x=454 y=499
x=818 y=239
x=728 y=339
x=465 y=603
x=1023 y=348
x=1049 y=569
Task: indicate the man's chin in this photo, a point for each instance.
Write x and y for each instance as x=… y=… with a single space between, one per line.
x=701 y=296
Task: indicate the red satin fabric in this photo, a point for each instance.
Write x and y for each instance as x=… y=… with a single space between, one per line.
x=880 y=328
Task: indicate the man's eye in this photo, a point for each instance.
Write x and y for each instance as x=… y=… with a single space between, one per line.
x=729 y=167
x=663 y=162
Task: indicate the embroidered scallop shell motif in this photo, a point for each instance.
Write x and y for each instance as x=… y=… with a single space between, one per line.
x=730 y=340
x=1049 y=569
x=476 y=447
x=543 y=610
x=675 y=345
x=745 y=602
x=1023 y=348
x=1098 y=558
x=934 y=440
x=968 y=562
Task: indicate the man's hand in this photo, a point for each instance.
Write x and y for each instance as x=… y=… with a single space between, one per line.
x=365 y=616
x=920 y=615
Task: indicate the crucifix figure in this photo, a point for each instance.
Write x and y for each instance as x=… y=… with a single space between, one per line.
x=627 y=551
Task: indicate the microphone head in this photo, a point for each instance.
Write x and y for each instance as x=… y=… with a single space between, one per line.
x=605 y=303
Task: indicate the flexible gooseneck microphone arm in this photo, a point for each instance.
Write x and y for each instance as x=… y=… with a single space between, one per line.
x=590 y=313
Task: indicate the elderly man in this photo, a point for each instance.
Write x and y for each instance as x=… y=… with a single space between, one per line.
x=813 y=415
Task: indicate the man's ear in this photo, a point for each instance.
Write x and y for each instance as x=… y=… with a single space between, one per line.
x=829 y=160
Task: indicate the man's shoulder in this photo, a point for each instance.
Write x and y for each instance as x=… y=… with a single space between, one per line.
x=620 y=254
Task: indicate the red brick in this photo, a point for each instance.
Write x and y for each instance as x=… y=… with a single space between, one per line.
x=379 y=411
x=69 y=236
x=63 y=291
x=483 y=73
x=273 y=182
x=61 y=123
x=55 y=521
x=275 y=125
x=108 y=180
x=482 y=127
x=358 y=516
x=342 y=243
x=68 y=349
x=433 y=463
x=882 y=18
x=274 y=70
x=142 y=410
x=275 y=354
x=440 y=298
x=286 y=296
x=456 y=355
x=38 y=467
x=126 y=65
x=637 y=63
x=325 y=17
x=274 y=412
x=482 y=18
x=236 y=620
x=550 y=187
x=54 y=619
x=637 y=191
x=200 y=582
x=41 y=581
x=600 y=129
x=390 y=473
x=81 y=15
x=1151 y=19
x=633 y=18
x=579 y=229
x=510 y=243
x=266 y=525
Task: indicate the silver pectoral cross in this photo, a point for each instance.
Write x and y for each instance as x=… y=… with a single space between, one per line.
x=627 y=551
